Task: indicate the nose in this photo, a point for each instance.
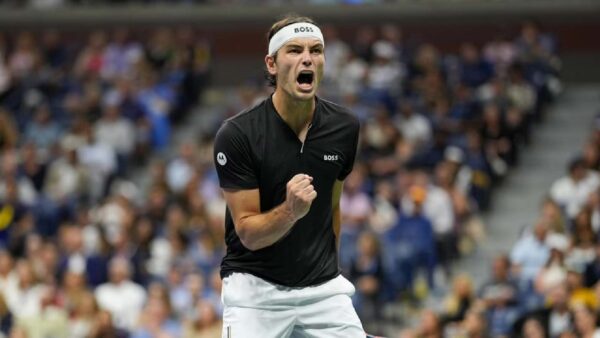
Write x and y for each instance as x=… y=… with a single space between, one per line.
x=306 y=59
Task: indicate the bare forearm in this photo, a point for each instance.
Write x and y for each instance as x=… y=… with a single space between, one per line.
x=262 y=230
x=258 y=229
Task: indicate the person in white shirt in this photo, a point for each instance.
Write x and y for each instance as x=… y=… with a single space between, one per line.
x=7 y=274
x=531 y=252
x=100 y=161
x=123 y=298
x=24 y=295
x=573 y=190
x=115 y=131
x=415 y=127
x=182 y=168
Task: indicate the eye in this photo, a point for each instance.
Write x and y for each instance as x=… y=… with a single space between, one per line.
x=317 y=50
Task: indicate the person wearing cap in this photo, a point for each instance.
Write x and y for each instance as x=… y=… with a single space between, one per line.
x=281 y=165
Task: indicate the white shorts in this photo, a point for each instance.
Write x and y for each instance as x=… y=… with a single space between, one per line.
x=254 y=307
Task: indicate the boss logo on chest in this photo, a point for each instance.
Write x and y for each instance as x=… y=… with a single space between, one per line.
x=330 y=157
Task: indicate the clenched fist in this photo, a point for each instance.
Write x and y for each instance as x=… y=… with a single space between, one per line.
x=300 y=194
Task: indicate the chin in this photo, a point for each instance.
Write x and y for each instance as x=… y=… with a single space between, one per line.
x=305 y=96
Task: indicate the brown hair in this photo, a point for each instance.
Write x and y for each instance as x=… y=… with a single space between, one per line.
x=276 y=27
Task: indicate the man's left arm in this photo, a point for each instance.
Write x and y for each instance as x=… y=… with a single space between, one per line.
x=335 y=208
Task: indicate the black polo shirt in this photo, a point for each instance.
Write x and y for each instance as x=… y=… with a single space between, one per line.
x=258 y=149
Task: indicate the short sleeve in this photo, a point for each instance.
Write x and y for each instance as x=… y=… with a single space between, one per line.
x=349 y=164
x=233 y=159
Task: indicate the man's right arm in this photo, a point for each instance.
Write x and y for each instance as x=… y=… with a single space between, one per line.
x=258 y=230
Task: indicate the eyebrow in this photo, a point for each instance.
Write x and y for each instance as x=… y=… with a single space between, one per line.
x=297 y=45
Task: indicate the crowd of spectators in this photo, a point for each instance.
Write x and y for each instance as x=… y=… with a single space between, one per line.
x=548 y=283
x=87 y=253
x=440 y=131
x=83 y=251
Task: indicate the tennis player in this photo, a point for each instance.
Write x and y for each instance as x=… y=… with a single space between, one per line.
x=281 y=165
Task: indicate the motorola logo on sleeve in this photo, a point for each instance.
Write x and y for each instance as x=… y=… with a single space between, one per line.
x=221 y=158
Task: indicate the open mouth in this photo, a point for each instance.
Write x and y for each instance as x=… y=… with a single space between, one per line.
x=305 y=79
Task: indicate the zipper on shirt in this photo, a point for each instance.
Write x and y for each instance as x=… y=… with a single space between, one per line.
x=305 y=138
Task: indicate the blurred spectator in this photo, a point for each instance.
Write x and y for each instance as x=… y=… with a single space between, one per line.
x=120 y=296
x=555 y=216
x=337 y=53
x=572 y=191
x=500 y=296
x=363 y=41
x=24 y=296
x=555 y=318
x=579 y=294
x=83 y=316
x=73 y=258
x=24 y=57
x=8 y=131
x=50 y=321
x=583 y=246
x=353 y=74
x=103 y=327
x=120 y=56
x=501 y=288
x=204 y=322
x=530 y=253
x=156 y=100
x=501 y=53
x=474 y=71
x=366 y=272
x=384 y=212
x=99 y=161
x=356 y=208
x=532 y=328
x=413 y=126
x=410 y=244
x=459 y=300
x=437 y=208
x=91 y=59
x=554 y=271
x=66 y=178
x=429 y=325
x=155 y=320
x=384 y=76
x=6 y=318
x=180 y=170
x=586 y=321
x=116 y=132
x=190 y=291
x=592 y=270
x=473 y=326
x=43 y=132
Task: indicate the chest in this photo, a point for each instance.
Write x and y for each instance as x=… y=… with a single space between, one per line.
x=321 y=156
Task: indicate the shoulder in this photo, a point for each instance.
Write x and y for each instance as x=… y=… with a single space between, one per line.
x=243 y=123
x=339 y=114
x=241 y=119
x=136 y=289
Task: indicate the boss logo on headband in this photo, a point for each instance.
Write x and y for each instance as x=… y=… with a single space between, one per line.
x=303 y=30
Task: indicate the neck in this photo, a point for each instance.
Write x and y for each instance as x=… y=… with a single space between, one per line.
x=296 y=113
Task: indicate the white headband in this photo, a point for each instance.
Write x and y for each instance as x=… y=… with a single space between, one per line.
x=296 y=30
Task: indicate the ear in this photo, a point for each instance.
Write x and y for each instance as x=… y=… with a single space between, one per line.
x=271 y=64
